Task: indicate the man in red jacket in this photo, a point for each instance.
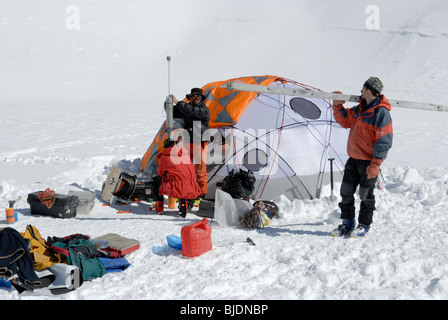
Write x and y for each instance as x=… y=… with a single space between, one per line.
x=178 y=176
x=369 y=141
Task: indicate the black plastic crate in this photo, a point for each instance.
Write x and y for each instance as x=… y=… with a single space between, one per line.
x=65 y=206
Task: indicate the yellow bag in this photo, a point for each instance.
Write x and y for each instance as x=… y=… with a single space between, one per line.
x=42 y=257
x=266 y=220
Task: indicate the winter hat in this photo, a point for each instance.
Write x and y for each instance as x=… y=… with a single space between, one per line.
x=196 y=91
x=375 y=85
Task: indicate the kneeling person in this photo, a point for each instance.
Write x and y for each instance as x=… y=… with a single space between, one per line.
x=178 y=176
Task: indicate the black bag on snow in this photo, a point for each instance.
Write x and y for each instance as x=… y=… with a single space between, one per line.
x=239 y=185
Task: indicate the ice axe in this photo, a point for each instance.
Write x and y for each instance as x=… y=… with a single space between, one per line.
x=249 y=240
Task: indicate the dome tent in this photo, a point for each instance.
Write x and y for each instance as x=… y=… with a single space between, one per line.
x=285 y=141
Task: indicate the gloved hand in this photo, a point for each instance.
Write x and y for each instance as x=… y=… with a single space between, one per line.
x=175 y=101
x=338 y=102
x=373 y=170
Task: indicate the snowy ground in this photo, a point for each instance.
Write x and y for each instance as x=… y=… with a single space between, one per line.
x=70 y=139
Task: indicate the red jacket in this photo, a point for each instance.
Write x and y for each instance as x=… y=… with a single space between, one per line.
x=178 y=174
x=370 y=128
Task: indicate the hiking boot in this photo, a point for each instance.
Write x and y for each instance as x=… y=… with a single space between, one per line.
x=345 y=228
x=190 y=204
x=360 y=231
x=183 y=208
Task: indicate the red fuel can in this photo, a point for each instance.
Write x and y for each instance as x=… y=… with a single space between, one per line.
x=196 y=238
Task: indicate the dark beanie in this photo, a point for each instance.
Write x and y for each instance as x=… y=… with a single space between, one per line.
x=375 y=85
x=196 y=91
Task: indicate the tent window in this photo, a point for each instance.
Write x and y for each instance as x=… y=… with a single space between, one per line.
x=255 y=160
x=305 y=108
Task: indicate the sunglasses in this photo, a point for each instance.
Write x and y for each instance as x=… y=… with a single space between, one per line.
x=189 y=96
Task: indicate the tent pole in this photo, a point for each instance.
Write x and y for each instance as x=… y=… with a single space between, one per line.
x=238 y=86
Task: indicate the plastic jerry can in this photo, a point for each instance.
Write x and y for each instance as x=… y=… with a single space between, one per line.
x=196 y=238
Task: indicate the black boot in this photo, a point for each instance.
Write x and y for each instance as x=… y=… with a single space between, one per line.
x=183 y=208
x=190 y=204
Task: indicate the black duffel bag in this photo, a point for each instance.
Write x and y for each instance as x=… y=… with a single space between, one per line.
x=239 y=185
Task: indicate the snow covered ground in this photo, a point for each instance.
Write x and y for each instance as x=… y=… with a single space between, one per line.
x=76 y=102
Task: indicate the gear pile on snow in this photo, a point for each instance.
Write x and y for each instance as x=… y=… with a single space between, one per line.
x=58 y=265
x=258 y=216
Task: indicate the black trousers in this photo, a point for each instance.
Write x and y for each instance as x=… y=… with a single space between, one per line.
x=355 y=175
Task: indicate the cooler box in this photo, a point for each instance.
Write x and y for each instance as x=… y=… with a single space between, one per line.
x=86 y=201
x=63 y=207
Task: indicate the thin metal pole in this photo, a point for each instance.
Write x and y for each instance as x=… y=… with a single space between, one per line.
x=332 y=197
x=169 y=104
x=327 y=95
x=168 y=58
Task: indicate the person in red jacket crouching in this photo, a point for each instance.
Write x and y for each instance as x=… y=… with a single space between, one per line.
x=178 y=176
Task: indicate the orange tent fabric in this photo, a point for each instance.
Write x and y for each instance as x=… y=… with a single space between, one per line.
x=226 y=108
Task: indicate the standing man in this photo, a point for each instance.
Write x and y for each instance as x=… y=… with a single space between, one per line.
x=369 y=141
x=196 y=118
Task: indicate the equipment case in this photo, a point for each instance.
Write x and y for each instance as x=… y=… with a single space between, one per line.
x=119 y=244
x=86 y=201
x=64 y=206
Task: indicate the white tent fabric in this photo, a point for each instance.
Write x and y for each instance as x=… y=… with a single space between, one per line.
x=287 y=142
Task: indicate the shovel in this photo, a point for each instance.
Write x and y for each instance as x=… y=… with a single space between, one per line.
x=249 y=240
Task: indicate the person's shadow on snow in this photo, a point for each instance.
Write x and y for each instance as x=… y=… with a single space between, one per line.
x=274 y=231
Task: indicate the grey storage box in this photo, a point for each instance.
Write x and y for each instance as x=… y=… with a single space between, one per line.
x=86 y=201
